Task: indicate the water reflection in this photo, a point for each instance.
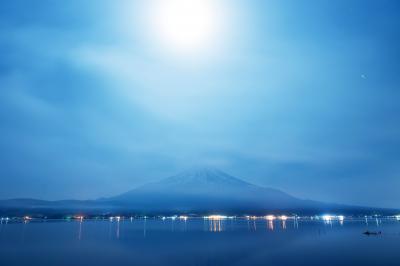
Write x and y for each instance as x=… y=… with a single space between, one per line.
x=144 y=226
x=271 y=225
x=296 y=223
x=80 y=230
x=23 y=231
x=377 y=221
x=117 y=231
x=284 y=224
x=215 y=225
x=315 y=242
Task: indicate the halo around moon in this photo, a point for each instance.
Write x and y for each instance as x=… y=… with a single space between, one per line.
x=185 y=26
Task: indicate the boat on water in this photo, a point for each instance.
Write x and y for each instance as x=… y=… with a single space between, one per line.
x=372 y=233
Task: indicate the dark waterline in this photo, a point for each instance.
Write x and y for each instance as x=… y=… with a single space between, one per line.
x=199 y=242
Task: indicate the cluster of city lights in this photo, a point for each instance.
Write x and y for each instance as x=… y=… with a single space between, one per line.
x=329 y=218
x=270 y=217
x=79 y=218
x=183 y=217
x=216 y=217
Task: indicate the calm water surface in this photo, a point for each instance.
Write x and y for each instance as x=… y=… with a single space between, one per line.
x=199 y=242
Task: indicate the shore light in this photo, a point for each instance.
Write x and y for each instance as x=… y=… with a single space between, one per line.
x=283 y=217
x=270 y=217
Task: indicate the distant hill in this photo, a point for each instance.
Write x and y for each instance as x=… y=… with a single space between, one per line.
x=200 y=190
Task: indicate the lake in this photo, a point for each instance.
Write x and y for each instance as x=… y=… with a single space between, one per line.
x=196 y=241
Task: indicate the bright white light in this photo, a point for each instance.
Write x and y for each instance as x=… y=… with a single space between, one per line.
x=185 y=25
x=398 y=217
x=270 y=217
x=216 y=217
x=283 y=217
x=183 y=217
x=327 y=218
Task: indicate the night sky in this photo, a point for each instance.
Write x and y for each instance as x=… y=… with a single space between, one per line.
x=301 y=96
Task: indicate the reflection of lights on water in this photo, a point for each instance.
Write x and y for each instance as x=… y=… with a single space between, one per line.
x=215 y=225
x=327 y=218
x=270 y=219
x=80 y=228
x=117 y=232
x=283 y=224
x=271 y=225
x=397 y=217
x=296 y=222
x=341 y=219
x=144 y=226
x=216 y=222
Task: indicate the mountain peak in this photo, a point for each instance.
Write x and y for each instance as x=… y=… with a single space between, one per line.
x=204 y=176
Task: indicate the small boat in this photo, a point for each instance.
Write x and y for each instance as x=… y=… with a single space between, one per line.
x=371 y=233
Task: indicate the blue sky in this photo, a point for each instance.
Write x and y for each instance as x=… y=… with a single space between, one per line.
x=298 y=95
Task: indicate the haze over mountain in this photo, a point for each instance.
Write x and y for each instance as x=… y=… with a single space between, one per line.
x=205 y=189
x=200 y=190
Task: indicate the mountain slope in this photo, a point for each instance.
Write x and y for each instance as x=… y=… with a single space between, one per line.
x=207 y=189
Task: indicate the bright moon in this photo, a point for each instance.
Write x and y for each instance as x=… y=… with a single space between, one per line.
x=185 y=26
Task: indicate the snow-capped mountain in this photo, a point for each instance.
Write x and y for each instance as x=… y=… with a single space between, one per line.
x=206 y=189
